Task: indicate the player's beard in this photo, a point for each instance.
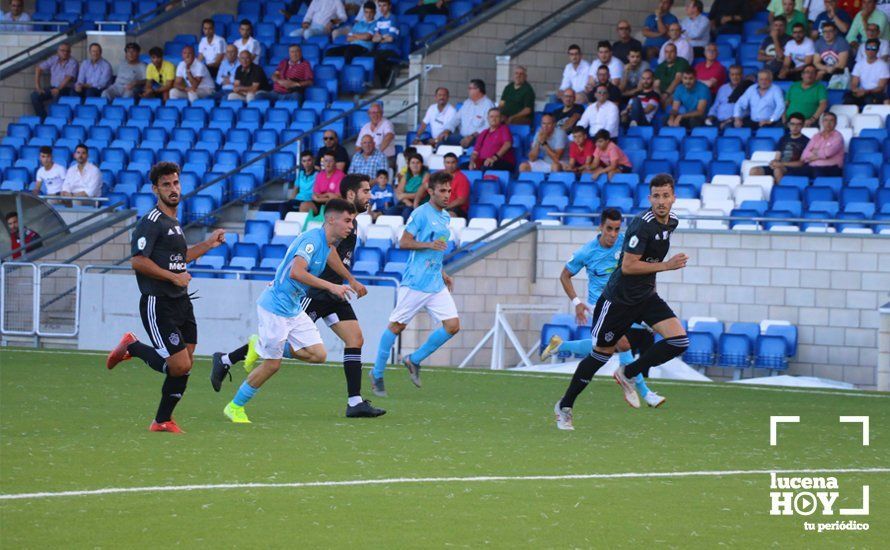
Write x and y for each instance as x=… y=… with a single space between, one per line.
x=170 y=203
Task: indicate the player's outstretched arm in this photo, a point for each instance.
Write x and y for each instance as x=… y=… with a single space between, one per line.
x=215 y=239
x=144 y=266
x=408 y=242
x=299 y=272
x=336 y=263
x=581 y=309
x=632 y=264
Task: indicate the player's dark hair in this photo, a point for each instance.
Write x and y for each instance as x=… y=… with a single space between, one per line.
x=156 y=52
x=162 y=169
x=661 y=180
x=610 y=214
x=335 y=206
x=439 y=178
x=46 y=150
x=352 y=182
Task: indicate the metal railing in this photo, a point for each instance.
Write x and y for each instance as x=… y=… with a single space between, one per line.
x=756 y=220
x=547 y=26
x=18 y=288
x=457 y=27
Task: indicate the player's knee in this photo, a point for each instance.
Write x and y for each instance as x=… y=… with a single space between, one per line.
x=452 y=326
x=354 y=341
x=316 y=354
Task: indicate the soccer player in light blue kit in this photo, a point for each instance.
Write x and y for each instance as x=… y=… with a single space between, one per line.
x=425 y=285
x=280 y=306
x=600 y=258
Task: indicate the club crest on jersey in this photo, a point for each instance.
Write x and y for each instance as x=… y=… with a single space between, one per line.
x=310 y=248
x=140 y=244
x=174 y=339
x=609 y=336
x=634 y=241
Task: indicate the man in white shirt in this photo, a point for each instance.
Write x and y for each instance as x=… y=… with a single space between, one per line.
x=575 y=74
x=604 y=57
x=225 y=77
x=321 y=18
x=873 y=31
x=50 y=176
x=130 y=74
x=193 y=80
x=675 y=37
x=799 y=52
x=441 y=119
x=212 y=47
x=601 y=114
x=696 y=27
x=473 y=112
x=83 y=178
x=381 y=129
x=869 y=83
x=247 y=42
x=15 y=14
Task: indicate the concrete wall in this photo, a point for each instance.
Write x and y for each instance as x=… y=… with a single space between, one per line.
x=12 y=43
x=188 y=23
x=830 y=287
x=884 y=349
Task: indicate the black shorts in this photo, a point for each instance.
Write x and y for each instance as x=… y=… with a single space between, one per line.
x=169 y=322
x=331 y=310
x=611 y=321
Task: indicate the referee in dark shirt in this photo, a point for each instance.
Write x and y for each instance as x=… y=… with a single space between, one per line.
x=160 y=256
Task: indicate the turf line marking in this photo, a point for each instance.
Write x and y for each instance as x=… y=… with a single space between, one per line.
x=425 y=480
x=554 y=376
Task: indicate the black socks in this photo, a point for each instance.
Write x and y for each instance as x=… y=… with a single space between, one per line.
x=147 y=354
x=171 y=393
x=583 y=375
x=660 y=352
x=238 y=355
x=352 y=368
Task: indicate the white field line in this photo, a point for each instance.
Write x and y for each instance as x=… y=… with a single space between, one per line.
x=427 y=480
x=555 y=376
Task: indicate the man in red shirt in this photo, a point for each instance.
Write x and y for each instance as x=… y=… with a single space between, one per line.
x=12 y=224
x=459 y=202
x=711 y=72
x=293 y=75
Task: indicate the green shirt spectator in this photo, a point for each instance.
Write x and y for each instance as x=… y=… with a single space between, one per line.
x=797 y=16
x=665 y=73
x=863 y=19
x=805 y=99
x=518 y=99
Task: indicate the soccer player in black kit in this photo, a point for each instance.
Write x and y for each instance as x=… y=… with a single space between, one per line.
x=159 y=257
x=336 y=313
x=630 y=297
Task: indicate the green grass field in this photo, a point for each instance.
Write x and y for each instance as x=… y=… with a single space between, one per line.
x=70 y=425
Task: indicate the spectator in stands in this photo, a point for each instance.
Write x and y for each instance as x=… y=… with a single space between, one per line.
x=517 y=103
x=94 y=75
x=429 y=7
x=799 y=52
x=459 y=201
x=292 y=76
x=62 y=70
x=668 y=73
x=570 y=113
x=292 y=8
x=327 y=183
x=792 y=16
x=130 y=74
x=299 y=192
x=675 y=37
x=643 y=105
x=602 y=114
x=604 y=58
x=772 y=48
x=873 y=32
x=630 y=79
x=546 y=151
x=193 y=80
x=494 y=146
x=868 y=14
x=247 y=42
x=50 y=176
x=249 y=79
x=441 y=119
x=775 y=7
x=696 y=27
x=763 y=103
x=159 y=75
x=321 y=18
x=16 y=14
x=382 y=195
x=869 y=83
x=711 y=72
x=383 y=133
x=608 y=159
x=12 y=225
x=832 y=53
x=332 y=145
x=386 y=32
x=368 y=159
x=729 y=16
x=723 y=108
x=824 y=154
x=690 y=105
x=807 y=97
x=409 y=188
x=603 y=79
x=225 y=76
x=83 y=178
x=580 y=152
x=625 y=43
x=358 y=39
x=211 y=48
x=834 y=15
x=656 y=27
x=789 y=150
x=474 y=112
x=574 y=76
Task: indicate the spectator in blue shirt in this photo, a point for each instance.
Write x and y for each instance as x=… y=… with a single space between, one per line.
x=832 y=14
x=383 y=197
x=358 y=41
x=723 y=108
x=656 y=26
x=763 y=103
x=94 y=74
x=299 y=195
x=386 y=37
x=690 y=102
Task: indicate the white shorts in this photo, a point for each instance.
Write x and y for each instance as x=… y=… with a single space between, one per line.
x=300 y=332
x=439 y=305
x=540 y=165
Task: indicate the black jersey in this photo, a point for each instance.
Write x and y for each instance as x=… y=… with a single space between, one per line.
x=650 y=239
x=345 y=249
x=159 y=238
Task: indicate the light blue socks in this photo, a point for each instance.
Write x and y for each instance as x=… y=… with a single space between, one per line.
x=245 y=394
x=387 y=339
x=577 y=347
x=436 y=340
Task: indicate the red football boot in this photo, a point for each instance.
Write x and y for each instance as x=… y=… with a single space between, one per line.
x=168 y=426
x=120 y=353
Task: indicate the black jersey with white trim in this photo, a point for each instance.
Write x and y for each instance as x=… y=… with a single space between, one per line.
x=159 y=238
x=650 y=239
x=345 y=249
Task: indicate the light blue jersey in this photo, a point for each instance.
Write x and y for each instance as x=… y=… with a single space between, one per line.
x=284 y=296
x=424 y=270
x=600 y=263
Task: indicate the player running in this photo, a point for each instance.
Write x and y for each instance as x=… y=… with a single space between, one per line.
x=321 y=304
x=424 y=284
x=159 y=257
x=630 y=297
x=600 y=258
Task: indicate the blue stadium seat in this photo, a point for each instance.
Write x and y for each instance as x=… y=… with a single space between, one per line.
x=788 y=333
x=854 y=194
x=750 y=330
x=700 y=352
x=734 y=351
x=770 y=353
x=549 y=330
